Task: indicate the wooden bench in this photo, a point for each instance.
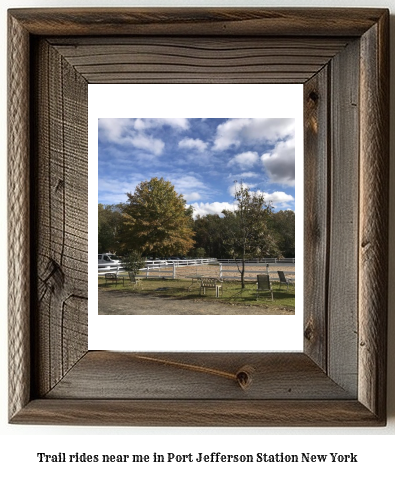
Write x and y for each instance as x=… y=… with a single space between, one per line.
x=210 y=283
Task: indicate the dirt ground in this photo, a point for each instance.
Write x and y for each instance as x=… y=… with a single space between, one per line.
x=118 y=302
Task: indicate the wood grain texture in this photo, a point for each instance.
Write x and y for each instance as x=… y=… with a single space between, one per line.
x=317 y=387
x=316 y=214
x=18 y=218
x=196 y=376
x=61 y=201
x=330 y=22
x=202 y=413
x=343 y=221
x=373 y=228
x=188 y=59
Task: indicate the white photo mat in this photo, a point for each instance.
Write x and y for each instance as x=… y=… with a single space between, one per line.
x=236 y=333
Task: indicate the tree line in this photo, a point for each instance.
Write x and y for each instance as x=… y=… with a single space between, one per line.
x=156 y=222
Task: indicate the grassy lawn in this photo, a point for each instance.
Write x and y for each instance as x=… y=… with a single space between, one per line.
x=232 y=292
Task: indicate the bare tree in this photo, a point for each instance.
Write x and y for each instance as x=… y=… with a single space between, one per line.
x=246 y=231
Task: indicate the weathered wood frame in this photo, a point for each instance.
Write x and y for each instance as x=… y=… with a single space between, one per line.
x=341 y=56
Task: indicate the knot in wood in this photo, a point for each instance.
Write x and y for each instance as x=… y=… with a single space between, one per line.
x=244 y=376
x=313 y=96
x=308 y=332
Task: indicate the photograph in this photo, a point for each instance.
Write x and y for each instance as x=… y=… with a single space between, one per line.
x=196 y=216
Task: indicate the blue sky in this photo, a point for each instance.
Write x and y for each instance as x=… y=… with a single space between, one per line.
x=201 y=157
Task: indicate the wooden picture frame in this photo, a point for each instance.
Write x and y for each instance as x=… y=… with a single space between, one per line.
x=342 y=58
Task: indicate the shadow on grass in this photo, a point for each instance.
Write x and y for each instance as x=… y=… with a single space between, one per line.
x=183 y=290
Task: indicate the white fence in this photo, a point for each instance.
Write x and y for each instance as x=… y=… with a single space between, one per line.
x=254 y=269
x=269 y=260
x=227 y=269
x=157 y=268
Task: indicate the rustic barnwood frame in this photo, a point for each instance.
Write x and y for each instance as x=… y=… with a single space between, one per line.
x=341 y=57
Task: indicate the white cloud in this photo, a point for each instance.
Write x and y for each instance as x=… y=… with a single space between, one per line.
x=280 y=163
x=249 y=174
x=116 y=185
x=236 y=132
x=189 y=143
x=147 y=143
x=121 y=132
x=240 y=175
x=202 y=209
x=228 y=133
x=279 y=199
x=236 y=186
x=185 y=183
x=244 y=160
x=124 y=132
x=192 y=196
x=189 y=185
x=113 y=191
x=113 y=129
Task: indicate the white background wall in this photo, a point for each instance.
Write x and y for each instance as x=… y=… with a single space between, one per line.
x=21 y=443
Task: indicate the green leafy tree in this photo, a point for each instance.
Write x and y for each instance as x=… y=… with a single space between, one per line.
x=199 y=252
x=133 y=262
x=209 y=235
x=156 y=220
x=109 y=223
x=246 y=230
x=283 y=226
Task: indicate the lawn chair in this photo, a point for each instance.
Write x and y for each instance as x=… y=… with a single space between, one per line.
x=283 y=279
x=263 y=285
x=113 y=277
x=133 y=279
x=210 y=283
